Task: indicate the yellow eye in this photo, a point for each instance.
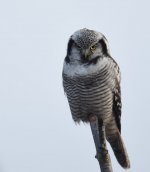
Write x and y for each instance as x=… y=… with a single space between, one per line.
x=93 y=48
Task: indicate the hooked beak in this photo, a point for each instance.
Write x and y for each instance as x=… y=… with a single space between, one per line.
x=86 y=53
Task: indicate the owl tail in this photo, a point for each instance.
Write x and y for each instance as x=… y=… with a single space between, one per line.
x=119 y=149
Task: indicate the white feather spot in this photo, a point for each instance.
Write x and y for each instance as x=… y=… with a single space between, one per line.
x=73 y=69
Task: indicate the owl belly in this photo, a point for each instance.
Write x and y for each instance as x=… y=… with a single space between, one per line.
x=96 y=101
x=89 y=95
x=90 y=89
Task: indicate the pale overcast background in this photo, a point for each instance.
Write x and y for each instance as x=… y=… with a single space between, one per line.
x=37 y=133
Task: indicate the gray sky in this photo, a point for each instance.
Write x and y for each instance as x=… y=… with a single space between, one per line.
x=36 y=130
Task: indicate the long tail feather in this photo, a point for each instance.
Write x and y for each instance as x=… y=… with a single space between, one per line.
x=119 y=149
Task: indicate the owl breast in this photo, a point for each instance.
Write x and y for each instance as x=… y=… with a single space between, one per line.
x=90 y=93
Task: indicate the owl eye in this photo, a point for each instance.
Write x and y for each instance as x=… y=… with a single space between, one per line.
x=93 y=48
x=78 y=47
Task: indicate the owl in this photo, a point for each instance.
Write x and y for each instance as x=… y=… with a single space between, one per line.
x=91 y=81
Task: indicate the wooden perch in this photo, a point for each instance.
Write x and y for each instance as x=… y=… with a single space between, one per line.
x=102 y=155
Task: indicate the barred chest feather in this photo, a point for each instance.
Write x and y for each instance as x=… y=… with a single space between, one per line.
x=89 y=89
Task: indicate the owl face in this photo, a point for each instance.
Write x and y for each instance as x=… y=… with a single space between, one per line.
x=86 y=47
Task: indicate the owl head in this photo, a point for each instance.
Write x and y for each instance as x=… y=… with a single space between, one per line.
x=86 y=46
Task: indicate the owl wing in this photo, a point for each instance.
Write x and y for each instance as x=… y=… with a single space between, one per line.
x=117 y=105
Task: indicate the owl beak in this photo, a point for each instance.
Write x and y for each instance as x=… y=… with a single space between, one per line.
x=86 y=53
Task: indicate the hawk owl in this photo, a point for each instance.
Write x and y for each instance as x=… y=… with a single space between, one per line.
x=91 y=81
